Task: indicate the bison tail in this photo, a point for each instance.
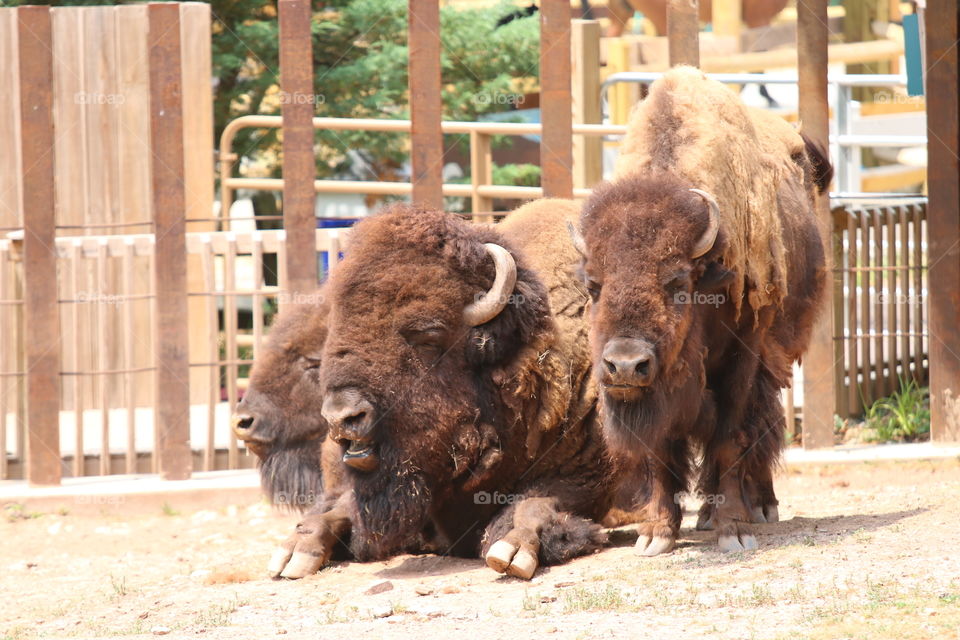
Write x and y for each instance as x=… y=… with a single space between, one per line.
x=568 y=536
x=819 y=162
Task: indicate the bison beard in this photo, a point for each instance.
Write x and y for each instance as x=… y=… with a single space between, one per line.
x=388 y=507
x=292 y=476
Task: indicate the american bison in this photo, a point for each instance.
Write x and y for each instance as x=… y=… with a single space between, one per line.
x=455 y=386
x=706 y=268
x=279 y=418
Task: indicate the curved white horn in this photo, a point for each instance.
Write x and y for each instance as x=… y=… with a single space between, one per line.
x=705 y=243
x=577 y=237
x=487 y=307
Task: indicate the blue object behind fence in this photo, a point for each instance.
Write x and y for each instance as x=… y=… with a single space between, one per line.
x=913 y=54
x=331 y=223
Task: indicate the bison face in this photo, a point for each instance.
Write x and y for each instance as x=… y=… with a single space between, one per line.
x=649 y=246
x=279 y=418
x=424 y=308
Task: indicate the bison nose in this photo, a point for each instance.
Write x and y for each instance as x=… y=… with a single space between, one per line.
x=629 y=362
x=349 y=414
x=243 y=424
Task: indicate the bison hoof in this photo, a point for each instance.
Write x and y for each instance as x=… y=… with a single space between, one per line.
x=302 y=565
x=654 y=545
x=518 y=562
x=772 y=513
x=740 y=542
x=757 y=515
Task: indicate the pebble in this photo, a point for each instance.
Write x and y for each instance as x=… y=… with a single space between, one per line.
x=423 y=590
x=379 y=587
x=382 y=612
x=160 y=631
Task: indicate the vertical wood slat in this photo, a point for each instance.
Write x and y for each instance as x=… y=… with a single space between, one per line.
x=585 y=93
x=9 y=121
x=863 y=260
x=230 y=335
x=257 y=297
x=683 y=32
x=102 y=380
x=942 y=20
x=172 y=423
x=213 y=336
x=556 y=108
x=42 y=319
x=481 y=169
x=853 y=366
x=904 y=311
x=841 y=343
x=894 y=299
x=76 y=313
x=7 y=383
x=877 y=330
x=296 y=84
x=128 y=357
x=917 y=251
x=819 y=393
x=426 y=139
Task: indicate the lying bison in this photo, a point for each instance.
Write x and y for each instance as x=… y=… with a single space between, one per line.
x=455 y=385
x=706 y=268
x=279 y=418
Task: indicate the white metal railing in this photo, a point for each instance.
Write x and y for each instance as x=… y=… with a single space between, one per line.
x=845 y=147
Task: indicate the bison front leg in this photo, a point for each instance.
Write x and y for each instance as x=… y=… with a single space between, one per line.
x=312 y=543
x=659 y=533
x=533 y=530
x=732 y=515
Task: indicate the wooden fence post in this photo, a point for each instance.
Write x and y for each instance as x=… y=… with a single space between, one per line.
x=683 y=32
x=819 y=364
x=556 y=109
x=299 y=170
x=426 y=138
x=172 y=409
x=943 y=218
x=585 y=63
x=42 y=316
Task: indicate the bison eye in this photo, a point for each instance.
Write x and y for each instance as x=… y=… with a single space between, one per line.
x=428 y=343
x=677 y=284
x=310 y=362
x=593 y=288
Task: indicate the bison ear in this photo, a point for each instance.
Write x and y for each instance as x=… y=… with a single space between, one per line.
x=716 y=277
x=494 y=342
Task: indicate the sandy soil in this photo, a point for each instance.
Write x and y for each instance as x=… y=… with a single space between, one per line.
x=863 y=551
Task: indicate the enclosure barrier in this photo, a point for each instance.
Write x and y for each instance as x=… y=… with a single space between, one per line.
x=879 y=299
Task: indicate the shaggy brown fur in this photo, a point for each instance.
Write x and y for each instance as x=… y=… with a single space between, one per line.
x=718 y=373
x=281 y=408
x=502 y=409
x=700 y=130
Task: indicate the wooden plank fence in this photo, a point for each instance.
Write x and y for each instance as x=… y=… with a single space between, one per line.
x=208 y=304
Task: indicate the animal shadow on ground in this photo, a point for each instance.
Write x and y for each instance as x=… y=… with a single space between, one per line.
x=796 y=530
x=429 y=565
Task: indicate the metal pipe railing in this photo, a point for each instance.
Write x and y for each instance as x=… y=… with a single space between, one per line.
x=844 y=146
x=481 y=192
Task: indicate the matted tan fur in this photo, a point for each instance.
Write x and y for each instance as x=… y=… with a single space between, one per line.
x=739 y=154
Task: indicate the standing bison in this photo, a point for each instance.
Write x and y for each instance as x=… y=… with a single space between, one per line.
x=706 y=268
x=456 y=395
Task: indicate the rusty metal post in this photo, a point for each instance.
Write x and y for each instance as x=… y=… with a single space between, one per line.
x=556 y=101
x=426 y=139
x=943 y=218
x=819 y=364
x=683 y=32
x=297 y=100
x=42 y=317
x=172 y=402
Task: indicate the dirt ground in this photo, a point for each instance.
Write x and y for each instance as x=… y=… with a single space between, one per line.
x=863 y=551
